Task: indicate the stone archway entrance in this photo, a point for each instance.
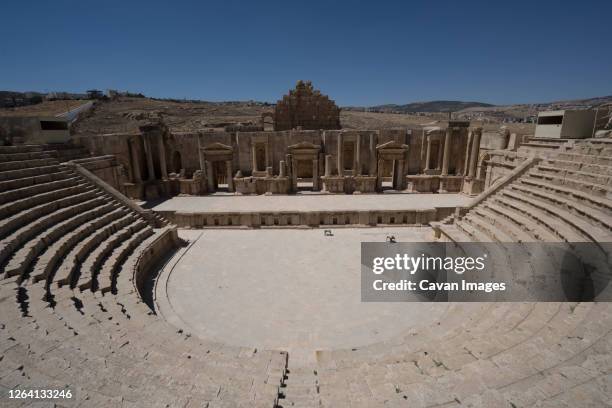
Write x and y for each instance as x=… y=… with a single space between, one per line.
x=391 y=164
x=305 y=165
x=218 y=160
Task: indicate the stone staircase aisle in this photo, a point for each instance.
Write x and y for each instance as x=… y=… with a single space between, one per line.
x=72 y=258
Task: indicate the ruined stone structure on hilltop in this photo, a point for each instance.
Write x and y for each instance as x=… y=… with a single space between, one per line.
x=307 y=108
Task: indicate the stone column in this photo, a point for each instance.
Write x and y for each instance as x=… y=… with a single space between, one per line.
x=447 y=146
x=428 y=153
x=162 y=157
x=137 y=177
x=288 y=162
x=268 y=163
x=290 y=170
x=230 y=176
x=201 y=156
x=210 y=181
x=254 y=148
x=466 y=160
x=150 y=167
x=328 y=171
x=315 y=174
x=372 y=169
x=357 y=160
x=487 y=180
x=294 y=173
x=379 y=176
x=281 y=168
x=474 y=155
x=440 y=147
x=399 y=183
x=340 y=160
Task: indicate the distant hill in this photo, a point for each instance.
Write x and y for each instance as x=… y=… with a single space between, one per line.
x=484 y=111
x=528 y=112
x=431 y=106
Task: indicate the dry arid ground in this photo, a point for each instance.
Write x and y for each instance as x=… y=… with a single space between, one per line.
x=46 y=108
x=375 y=120
x=126 y=114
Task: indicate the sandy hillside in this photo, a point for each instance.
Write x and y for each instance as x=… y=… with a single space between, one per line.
x=46 y=108
x=127 y=114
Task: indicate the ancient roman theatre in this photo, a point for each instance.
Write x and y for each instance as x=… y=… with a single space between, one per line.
x=221 y=267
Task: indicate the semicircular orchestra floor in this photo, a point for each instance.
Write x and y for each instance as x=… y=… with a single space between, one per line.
x=290 y=289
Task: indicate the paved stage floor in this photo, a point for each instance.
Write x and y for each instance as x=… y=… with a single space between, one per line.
x=295 y=290
x=311 y=202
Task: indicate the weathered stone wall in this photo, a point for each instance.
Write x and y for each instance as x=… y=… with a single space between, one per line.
x=330 y=147
x=495 y=140
x=416 y=151
x=186 y=145
x=156 y=155
x=17 y=130
x=307 y=108
x=497 y=164
x=307 y=218
x=112 y=144
x=166 y=241
x=107 y=169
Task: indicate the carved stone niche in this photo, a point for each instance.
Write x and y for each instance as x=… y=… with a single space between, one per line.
x=305 y=163
x=218 y=159
x=261 y=155
x=391 y=155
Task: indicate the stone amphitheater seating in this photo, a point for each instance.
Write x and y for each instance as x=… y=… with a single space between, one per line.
x=55 y=330
x=490 y=355
x=541 y=145
x=565 y=197
x=71 y=314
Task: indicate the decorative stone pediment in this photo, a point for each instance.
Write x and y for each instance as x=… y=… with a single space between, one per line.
x=392 y=145
x=304 y=147
x=432 y=130
x=215 y=147
x=392 y=150
x=218 y=151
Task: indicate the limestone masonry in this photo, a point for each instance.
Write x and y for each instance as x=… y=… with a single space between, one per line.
x=237 y=303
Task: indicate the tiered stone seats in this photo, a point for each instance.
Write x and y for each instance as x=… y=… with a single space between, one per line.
x=93 y=263
x=73 y=317
x=500 y=354
x=541 y=145
x=566 y=198
x=70 y=314
x=480 y=355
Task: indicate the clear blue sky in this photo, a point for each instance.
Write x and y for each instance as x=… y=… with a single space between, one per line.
x=360 y=53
